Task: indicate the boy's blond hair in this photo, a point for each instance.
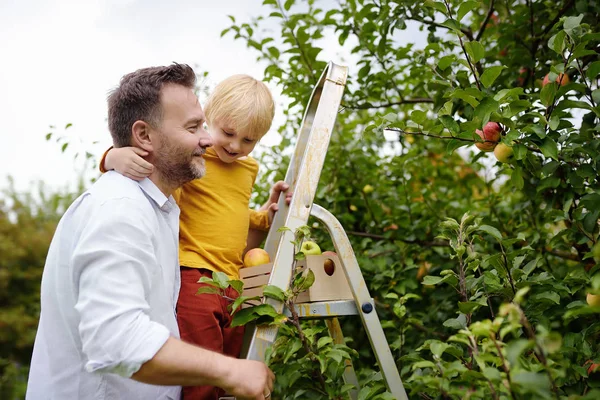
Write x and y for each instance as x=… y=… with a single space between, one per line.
x=242 y=103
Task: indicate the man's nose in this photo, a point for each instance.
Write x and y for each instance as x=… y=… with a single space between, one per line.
x=204 y=140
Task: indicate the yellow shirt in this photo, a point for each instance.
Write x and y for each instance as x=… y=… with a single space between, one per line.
x=214 y=219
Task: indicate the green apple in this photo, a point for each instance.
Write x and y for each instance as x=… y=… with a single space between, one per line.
x=310 y=248
x=368 y=189
x=503 y=153
x=593 y=299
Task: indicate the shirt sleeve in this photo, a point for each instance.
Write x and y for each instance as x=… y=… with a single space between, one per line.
x=114 y=262
x=103 y=160
x=259 y=220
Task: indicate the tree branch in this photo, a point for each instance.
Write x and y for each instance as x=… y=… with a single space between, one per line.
x=426 y=243
x=485 y=21
x=368 y=106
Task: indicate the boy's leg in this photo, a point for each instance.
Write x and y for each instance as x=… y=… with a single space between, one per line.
x=233 y=338
x=200 y=318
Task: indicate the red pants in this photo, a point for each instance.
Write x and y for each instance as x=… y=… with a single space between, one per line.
x=204 y=320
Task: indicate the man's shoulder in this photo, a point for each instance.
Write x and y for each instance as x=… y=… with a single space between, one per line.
x=113 y=185
x=119 y=193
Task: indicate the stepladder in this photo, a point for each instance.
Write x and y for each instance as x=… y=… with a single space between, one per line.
x=340 y=291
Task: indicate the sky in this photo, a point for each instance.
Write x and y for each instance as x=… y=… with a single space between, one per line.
x=60 y=58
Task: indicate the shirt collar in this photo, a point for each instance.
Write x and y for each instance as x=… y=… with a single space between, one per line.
x=164 y=203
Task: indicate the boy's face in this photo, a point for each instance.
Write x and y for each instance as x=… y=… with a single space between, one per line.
x=230 y=144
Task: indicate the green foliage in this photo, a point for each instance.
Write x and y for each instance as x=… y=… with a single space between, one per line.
x=509 y=248
x=27 y=223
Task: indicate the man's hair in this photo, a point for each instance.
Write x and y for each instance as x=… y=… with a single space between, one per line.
x=138 y=98
x=243 y=103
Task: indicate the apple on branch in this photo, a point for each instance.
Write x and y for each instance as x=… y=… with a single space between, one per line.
x=561 y=79
x=310 y=248
x=503 y=153
x=257 y=256
x=593 y=300
x=490 y=135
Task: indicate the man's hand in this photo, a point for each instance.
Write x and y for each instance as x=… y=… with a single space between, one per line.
x=249 y=380
x=271 y=204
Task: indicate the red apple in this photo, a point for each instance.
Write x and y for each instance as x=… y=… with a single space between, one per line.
x=561 y=79
x=490 y=136
x=523 y=72
x=593 y=367
x=254 y=257
x=328 y=264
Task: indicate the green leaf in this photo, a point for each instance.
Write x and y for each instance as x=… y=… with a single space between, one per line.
x=456 y=323
x=464 y=8
x=288 y=4
x=446 y=61
x=571 y=23
x=549 y=148
x=237 y=285
x=436 y=5
x=455 y=144
x=593 y=70
x=438 y=348
x=207 y=290
x=64 y=147
x=485 y=109
x=418 y=116
x=274 y=292
x=551 y=296
x=519 y=151
x=246 y=315
x=516 y=177
x=596 y=95
x=494 y=232
x=307 y=281
x=475 y=50
x=452 y=24
x=432 y=280
x=221 y=279
x=547 y=94
x=325 y=340
x=490 y=75
x=557 y=42
x=450 y=124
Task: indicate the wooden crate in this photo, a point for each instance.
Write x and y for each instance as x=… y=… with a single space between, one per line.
x=325 y=287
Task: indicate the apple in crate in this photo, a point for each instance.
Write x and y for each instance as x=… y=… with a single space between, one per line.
x=257 y=256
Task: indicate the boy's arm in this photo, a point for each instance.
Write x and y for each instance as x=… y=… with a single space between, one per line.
x=260 y=221
x=127 y=161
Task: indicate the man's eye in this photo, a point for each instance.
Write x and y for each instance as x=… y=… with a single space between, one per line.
x=228 y=134
x=193 y=129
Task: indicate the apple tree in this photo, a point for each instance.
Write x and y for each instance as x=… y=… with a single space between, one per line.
x=478 y=245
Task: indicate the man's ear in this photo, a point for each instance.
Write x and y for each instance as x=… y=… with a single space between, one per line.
x=140 y=136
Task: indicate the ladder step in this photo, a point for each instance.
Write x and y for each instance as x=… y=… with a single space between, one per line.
x=325 y=309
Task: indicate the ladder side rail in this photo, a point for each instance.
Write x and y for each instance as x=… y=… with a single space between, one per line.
x=298 y=212
x=291 y=176
x=364 y=302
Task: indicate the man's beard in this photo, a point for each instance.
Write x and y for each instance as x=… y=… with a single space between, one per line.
x=176 y=166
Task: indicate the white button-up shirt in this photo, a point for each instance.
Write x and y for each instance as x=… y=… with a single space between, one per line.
x=109 y=291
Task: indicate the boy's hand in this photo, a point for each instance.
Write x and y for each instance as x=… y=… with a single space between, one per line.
x=128 y=162
x=271 y=204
